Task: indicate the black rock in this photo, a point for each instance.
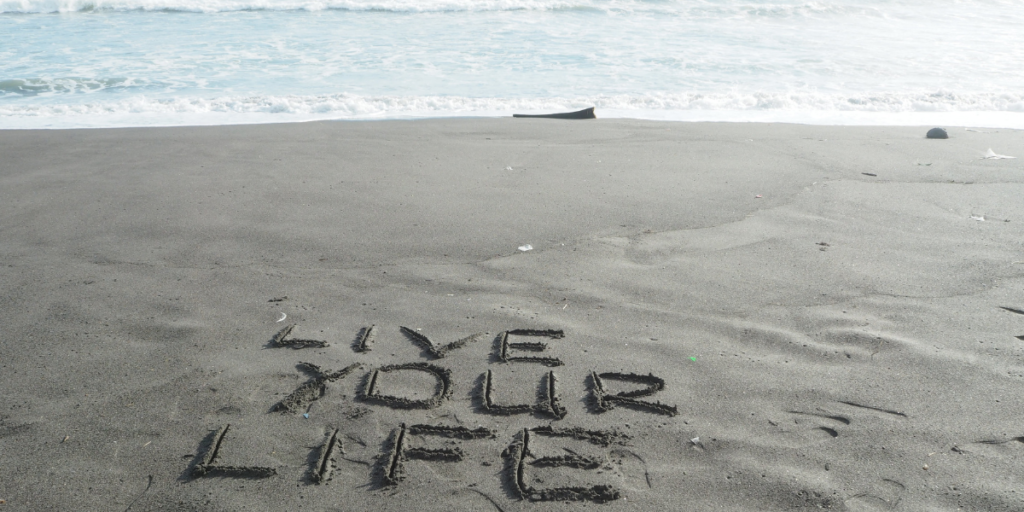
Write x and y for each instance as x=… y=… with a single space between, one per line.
x=937 y=133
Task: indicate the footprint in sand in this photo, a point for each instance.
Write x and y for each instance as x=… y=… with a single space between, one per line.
x=883 y=495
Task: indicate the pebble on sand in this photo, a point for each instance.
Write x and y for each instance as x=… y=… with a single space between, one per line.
x=937 y=133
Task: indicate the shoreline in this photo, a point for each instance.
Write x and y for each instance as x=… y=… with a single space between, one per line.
x=716 y=316
x=966 y=119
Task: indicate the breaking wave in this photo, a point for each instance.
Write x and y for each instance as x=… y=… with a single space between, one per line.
x=143 y=111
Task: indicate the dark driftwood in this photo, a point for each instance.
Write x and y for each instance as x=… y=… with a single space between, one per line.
x=587 y=113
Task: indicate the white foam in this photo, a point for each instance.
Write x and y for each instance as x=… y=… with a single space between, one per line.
x=994 y=111
x=209 y=6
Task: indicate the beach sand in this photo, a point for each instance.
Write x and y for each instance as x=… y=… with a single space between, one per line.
x=833 y=317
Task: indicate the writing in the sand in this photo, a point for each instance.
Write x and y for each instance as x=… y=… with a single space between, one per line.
x=522 y=346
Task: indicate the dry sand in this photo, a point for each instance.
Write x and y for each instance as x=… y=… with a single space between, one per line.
x=824 y=306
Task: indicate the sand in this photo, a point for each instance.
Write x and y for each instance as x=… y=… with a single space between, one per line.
x=712 y=317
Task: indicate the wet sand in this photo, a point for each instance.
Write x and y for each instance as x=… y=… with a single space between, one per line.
x=712 y=317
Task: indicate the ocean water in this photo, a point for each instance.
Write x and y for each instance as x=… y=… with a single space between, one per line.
x=104 y=63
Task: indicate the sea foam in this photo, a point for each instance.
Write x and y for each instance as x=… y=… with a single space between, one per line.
x=980 y=110
x=210 y=6
x=712 y=9
x=161 y=62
